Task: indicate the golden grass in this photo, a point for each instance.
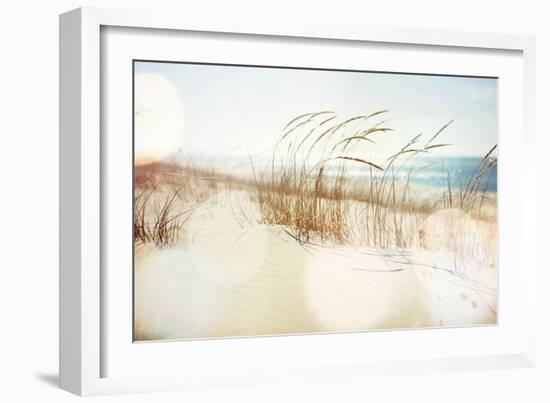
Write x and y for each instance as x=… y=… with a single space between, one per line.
x=165 y=196
x=164 y=226
x=299 y=194
x=308 y=190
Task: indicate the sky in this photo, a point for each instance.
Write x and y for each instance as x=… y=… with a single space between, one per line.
x=214 y=109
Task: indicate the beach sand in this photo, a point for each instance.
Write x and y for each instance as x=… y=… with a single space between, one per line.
x=229 y=276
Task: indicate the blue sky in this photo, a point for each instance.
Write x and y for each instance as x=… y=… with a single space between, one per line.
x=243 y=109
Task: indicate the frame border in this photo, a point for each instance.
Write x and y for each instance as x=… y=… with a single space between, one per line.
x=80 y=165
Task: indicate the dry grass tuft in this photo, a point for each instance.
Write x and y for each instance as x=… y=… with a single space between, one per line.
x=309 y=192
x=162 y=225
x=308 y=188
x=165 y=196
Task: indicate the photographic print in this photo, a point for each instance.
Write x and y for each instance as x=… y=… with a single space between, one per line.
x=275 y=201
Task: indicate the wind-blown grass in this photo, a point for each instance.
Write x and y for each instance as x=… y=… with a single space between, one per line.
x=308 y=192
x=165 y=196
x=162 y=225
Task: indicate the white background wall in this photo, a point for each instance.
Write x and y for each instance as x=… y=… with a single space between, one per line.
x=28 y=197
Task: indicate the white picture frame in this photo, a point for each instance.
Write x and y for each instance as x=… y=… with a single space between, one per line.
x=83 y=309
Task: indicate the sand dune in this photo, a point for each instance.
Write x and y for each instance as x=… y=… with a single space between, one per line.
x=229 y=276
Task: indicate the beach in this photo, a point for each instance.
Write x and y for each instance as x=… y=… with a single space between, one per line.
x=228 y=274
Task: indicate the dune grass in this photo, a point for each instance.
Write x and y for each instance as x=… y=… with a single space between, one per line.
x=164 y=226
x=165 y=197
x=309 y=192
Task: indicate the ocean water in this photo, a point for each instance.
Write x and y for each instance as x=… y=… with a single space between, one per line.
x=437 y=172
x=433 y=171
